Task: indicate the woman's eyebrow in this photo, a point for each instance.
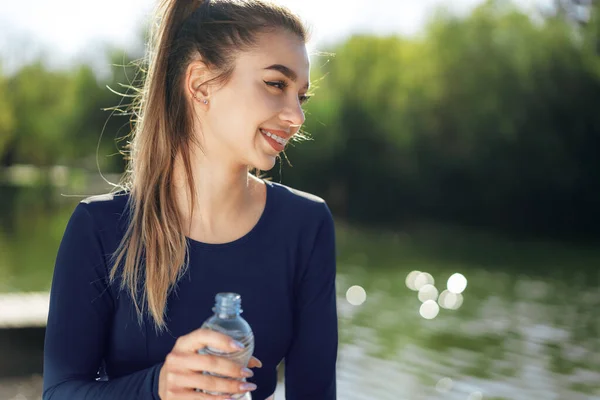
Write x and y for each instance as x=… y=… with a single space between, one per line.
x=288 y=72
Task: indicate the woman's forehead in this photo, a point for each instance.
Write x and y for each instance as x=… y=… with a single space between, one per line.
x=279 y=51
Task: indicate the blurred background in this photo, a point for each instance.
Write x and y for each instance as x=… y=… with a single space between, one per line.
x=456 y=142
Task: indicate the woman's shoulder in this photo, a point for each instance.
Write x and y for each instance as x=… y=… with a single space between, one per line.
x=105 y=210
x=106 y=203
x=96 y=225
x=298 y=204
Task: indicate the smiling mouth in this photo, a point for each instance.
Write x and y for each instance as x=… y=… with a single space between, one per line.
x=278 y=139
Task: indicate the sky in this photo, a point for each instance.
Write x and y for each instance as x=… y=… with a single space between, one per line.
x=66 y=30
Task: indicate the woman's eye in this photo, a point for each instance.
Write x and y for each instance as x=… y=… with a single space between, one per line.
x=304 y=98
x=281 y=85
x=278 y=84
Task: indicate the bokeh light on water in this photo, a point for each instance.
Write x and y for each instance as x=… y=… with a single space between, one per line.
x=423 y=279
x=428 y=292
x=415 y=280
x=356 y=295
x=429 y=309
x=411 y=280
x=449 y=300
x=457 y=283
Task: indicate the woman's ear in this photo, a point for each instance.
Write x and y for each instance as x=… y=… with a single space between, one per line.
x=196 y=78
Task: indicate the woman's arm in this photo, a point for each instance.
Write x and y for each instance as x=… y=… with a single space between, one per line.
x=79 y=320
x=310 y=364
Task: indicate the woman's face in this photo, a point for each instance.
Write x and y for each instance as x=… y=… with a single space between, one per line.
x=249 y=120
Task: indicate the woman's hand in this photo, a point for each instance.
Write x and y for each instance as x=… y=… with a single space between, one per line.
x=181 y=373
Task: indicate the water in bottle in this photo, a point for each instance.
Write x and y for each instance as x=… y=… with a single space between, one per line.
x=227 y=320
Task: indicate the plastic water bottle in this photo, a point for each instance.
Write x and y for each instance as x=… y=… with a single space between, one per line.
x=227 y=320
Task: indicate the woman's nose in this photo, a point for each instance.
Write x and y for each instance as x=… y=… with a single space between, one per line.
x=293 y=113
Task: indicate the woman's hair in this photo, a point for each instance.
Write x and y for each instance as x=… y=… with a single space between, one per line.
x=153 y=251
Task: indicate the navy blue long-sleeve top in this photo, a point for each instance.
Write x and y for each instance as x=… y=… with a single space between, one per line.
x=284 y=270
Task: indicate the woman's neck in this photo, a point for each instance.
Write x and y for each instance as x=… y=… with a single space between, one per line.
x=222 y=194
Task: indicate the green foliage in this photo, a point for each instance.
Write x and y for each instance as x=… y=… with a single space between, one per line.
x=52 y=117
x=490 y=119
x=7 y=119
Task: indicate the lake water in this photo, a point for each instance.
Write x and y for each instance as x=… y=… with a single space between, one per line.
x=528 y=326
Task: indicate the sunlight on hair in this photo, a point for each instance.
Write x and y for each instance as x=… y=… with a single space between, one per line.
x=449 y=300
x=457 y=283
x=356 y=295
x=411 y=279
x=475 y=396
x=444 y=385
x=423 y=279
x=428 y=292
x=429 y=309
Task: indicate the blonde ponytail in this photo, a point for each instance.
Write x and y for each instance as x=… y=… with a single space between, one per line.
x=153 y=253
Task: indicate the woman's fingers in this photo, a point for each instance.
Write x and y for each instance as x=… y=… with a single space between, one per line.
x=254 y=363
x=191 y=380
x=185 y=369
x=190 y=394
x=177 y=361
x=201 y=338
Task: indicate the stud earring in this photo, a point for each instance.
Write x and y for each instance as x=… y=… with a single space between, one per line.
x=205 y=101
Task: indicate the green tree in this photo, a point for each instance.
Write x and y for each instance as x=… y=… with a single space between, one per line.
x=42 y=110
x=7 y=120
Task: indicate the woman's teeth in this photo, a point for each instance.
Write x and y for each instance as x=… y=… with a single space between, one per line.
x=274 y=137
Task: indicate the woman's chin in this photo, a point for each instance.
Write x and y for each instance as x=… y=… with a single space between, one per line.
x=266 y=162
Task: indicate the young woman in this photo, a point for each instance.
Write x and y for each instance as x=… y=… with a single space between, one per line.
x=137 y=270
